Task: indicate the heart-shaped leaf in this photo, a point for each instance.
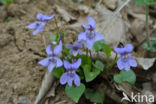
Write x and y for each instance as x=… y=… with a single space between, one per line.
x=75 y=92
x=98 y=45
x=85 y=60
x=107 y=49
x=96 y=96
x=99 y=65
x=128 y=76
x=101 y=45
x=90 y=74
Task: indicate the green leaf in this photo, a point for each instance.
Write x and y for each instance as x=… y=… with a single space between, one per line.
x=139 y=2
x=90 y=74
x=98 y=45
x=96 y=96
x=85 y=60
x=8 y=18
x=153 y=39
x=152 y=45
x=57 y=72
x=57 y=36
x=75 y=92
x=8 y=1
x=101 y=45
x=2 y=1
x=80 y=73
x=107 y=49
x=150 y=2
x=52 y=38
x=125 y=76
x=66 y=51
x=99 y=65
x=142 y=2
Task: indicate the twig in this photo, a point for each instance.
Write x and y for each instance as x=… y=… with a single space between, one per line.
x=121 y=7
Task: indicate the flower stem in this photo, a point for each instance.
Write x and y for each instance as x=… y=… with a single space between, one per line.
x=90 y=53
x=147 y=25
x=87 y=52
x=110 y=66
x=58 y=30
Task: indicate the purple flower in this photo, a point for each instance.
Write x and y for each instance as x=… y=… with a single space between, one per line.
x=39 y=25
x=90 y=36
x=70 y=75
x=44 y=18
x=75 y=48
x=53 y=59
x=125 y=62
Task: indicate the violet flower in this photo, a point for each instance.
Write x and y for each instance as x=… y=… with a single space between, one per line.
x=75 y=48
x=39 y=25
x=70 y=75
x=125 y=62
x=90 y=36
x=53 y=59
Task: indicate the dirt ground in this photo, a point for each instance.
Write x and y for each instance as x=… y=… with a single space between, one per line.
x=20 y=51
x=21 y=76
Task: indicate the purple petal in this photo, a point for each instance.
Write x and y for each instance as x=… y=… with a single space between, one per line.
x=79 y=51
x=67 y=65
x=51 y=67
x=58 y=49
x=76 y=64
x=48 y=18
x=79 y=44
x=85 y=26
x=119 y=50
x=64 y=78
x=48 y=50
x=75 y=53
x=91 y=22
x=82 y=36
x=70 y=80
x=124 y=63
x=128 y=48
x=39 y=16
x=54 y=42
x=33 y=25
x=71 y=51
x=98 y=36
x=44 y=62
x=120 y=63
x=39 y=28
x=125 y=50
x=132 y=61
x=77 y=80
x=59 y=62
x=89 y=43
x=127 y=66
x=43 y=17
x=69 y=46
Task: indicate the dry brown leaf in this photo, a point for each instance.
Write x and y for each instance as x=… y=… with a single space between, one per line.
x=146 y=63
x=65 y=15
x=46 y=84
x=111 y=4
x=111 y=26
x=137 y=29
